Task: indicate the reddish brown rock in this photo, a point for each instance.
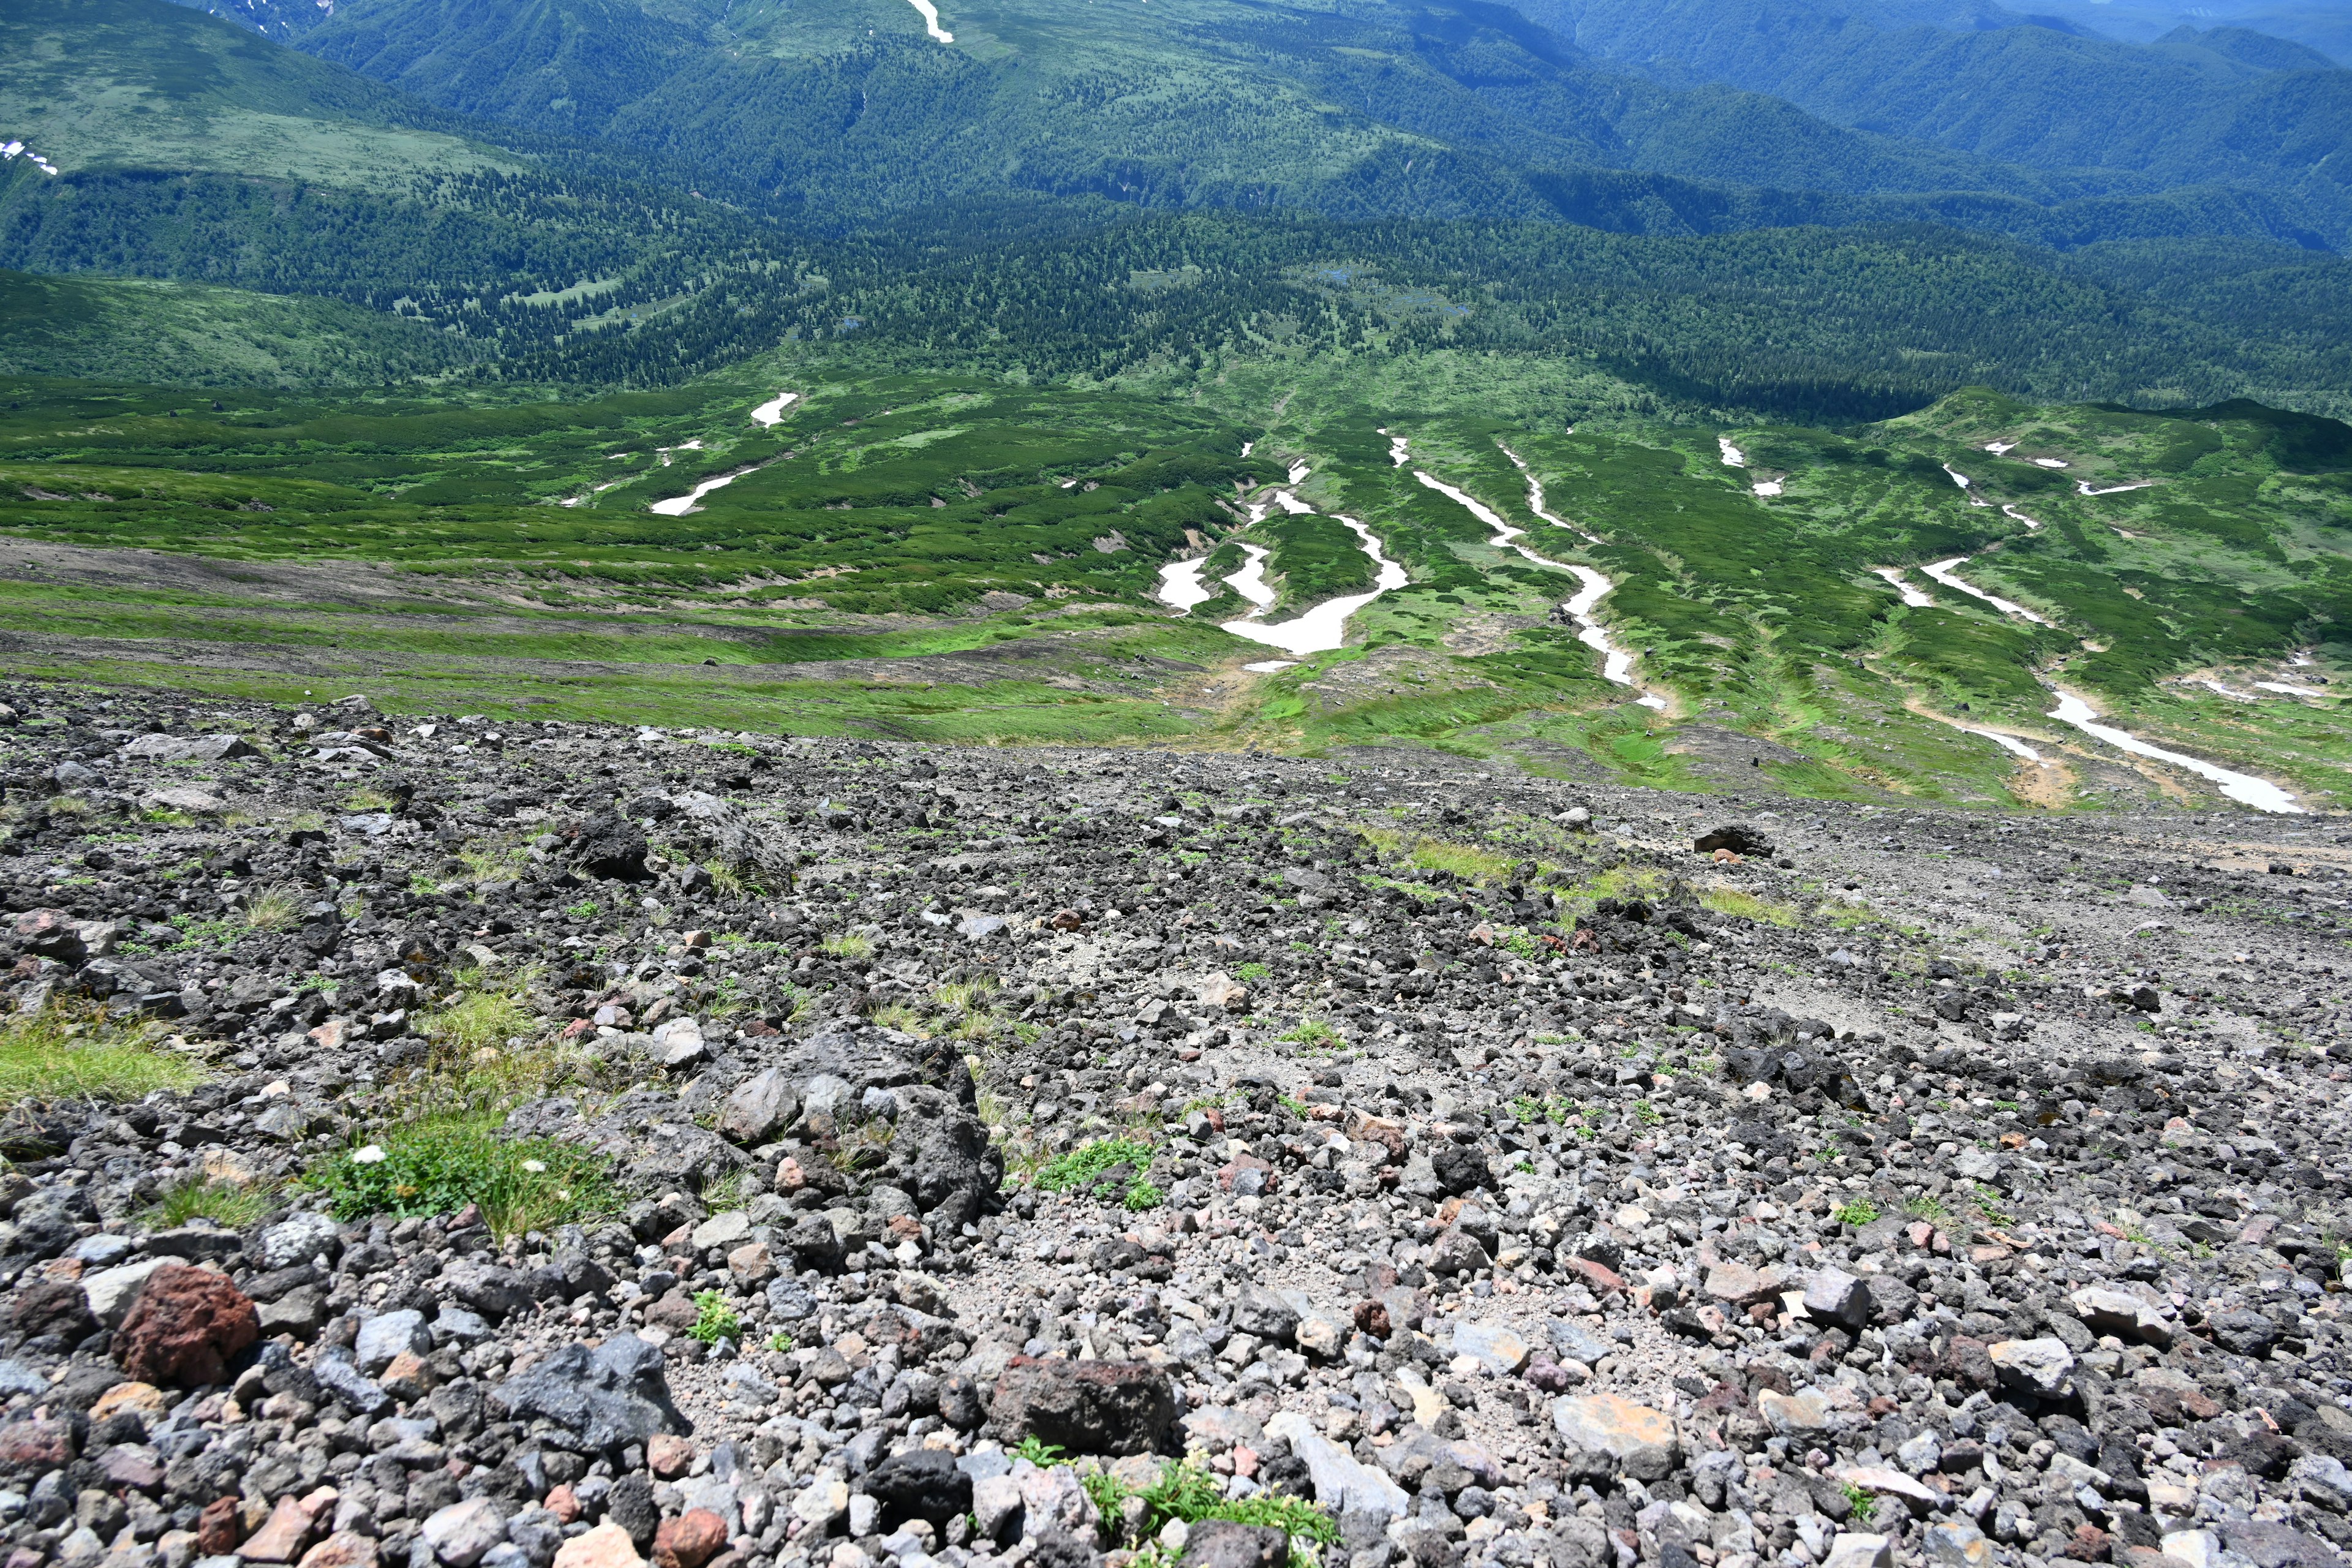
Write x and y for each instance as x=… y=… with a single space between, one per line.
x=344 y=1549
x=1600 y=1276
x=219 y=1527
x=286 y=1534
x=690 y=1540
x=36 y=1448
x=184 y=1327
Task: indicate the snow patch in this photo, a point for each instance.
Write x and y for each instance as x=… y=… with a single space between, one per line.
x=1616 y=663
x=1180 y=587
x=1733 y=457
x=931 y=21
x=771 y=414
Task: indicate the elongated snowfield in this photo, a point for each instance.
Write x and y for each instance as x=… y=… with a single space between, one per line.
x=2243 y=788
x=1250 y=581
x=2083 y=487
x=1942 y=573
x=1616 y=663
x=1325 y=626
x=931 y=21
x=1536 y=496
x=1733 y=457
x=771 y=414
x=1918 y=598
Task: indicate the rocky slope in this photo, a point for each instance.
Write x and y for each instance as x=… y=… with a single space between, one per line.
x=1525 y=1174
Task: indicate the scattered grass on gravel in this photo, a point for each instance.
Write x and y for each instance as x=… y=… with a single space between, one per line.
x=490 y=1012
x=62 y=1053
x=1744 y=905
x=714 y=1321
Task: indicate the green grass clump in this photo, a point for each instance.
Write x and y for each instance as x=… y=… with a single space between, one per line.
x=60 y=1053
x=1316 y=1035
x=436 y=1164
x=848 y=944
x=225 y=1204
x=1188 y=1492
x=1744 y=905
x=1859 y=1212
x=714 y=1319
x=1095 y=1166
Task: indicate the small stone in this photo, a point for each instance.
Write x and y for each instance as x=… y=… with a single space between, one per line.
x=344 y=1549
x=1833 y=1296
x=1956 y=1545
x=387 y=1335
x=606 y=1546
x=144 y=1400
x=1083 y=1407
x=463 y=1532
x=721 y=1230
x=2044 y=1365
x=1854 y=1550
x=1498 y=1347
x=1223 y=1543
x=1634 y=1437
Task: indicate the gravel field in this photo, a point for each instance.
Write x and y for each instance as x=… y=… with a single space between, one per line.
x=514 y=1145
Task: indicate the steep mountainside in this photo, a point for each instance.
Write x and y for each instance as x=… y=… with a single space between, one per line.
x=1371 y=108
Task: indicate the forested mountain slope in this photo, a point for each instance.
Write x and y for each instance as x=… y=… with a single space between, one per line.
x=2229 y=106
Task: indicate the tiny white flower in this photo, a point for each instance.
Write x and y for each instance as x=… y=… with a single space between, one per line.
x=534 y=1166
x=373 y=1154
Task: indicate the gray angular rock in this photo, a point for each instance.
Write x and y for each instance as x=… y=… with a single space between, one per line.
x=612 y=1396
x=760 y=1106
x=386 y=1335
x=298 y=1239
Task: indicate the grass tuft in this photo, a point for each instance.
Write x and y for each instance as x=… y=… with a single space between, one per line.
x=275 y=908
x=225 y=1204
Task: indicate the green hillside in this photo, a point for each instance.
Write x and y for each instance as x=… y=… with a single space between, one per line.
x=126 y=328
x=1371 y=109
